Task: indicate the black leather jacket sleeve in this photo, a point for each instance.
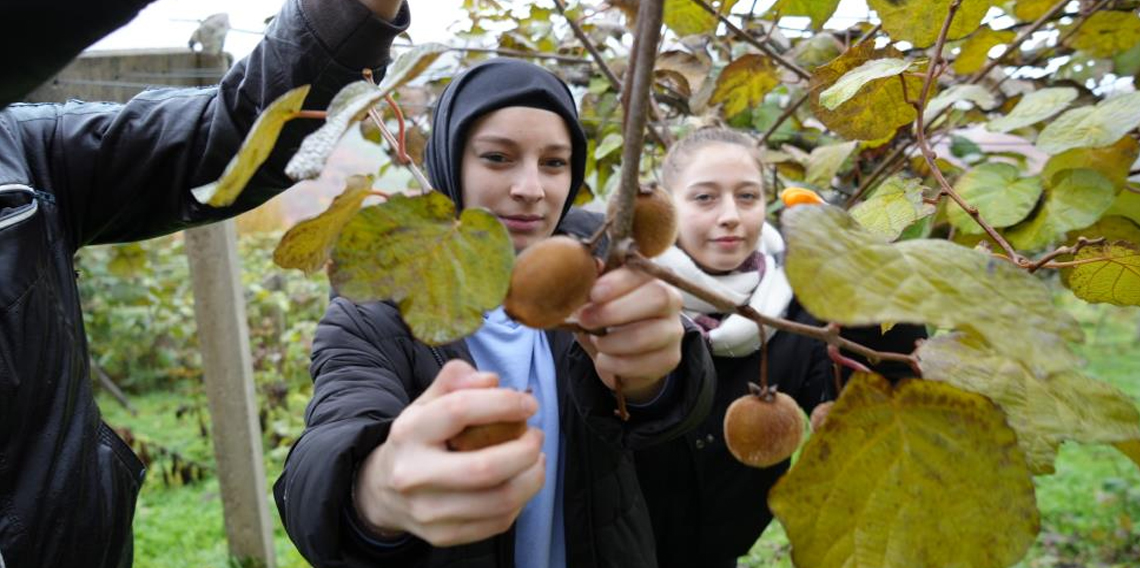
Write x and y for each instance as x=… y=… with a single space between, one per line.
x=123 y=172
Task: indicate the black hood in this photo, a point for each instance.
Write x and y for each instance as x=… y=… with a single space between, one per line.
x=487 y=87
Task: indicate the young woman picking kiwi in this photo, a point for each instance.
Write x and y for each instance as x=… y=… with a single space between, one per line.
x=707 y=507
x=378 y=477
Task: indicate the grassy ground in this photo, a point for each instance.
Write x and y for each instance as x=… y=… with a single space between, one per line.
x=1088 y=507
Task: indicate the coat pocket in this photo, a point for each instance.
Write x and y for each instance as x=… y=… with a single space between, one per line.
x=23 y=252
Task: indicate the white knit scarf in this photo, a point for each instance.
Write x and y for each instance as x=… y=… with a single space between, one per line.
x=737 y=336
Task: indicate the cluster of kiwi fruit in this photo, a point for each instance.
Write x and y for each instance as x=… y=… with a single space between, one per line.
x=552 y=278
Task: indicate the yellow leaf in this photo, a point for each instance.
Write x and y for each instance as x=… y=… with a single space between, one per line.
x=411 y=64
x=1044 y=410
x=895 y=205
x=1030 y=10
x=744 y=83
x=255 y=149
x=855 y=79
x=842 y=272
x=686 y=66
x=1127 y=204
x=1115 y=277
x=976 y=49
x=877 y=109
x=686 y=18
x=1108 y=32
x=819 y=11
x=1131 y=449
x=306 y=246
x=920 y=21
x=1114 y=162
x=442 y=271
x=919 y=475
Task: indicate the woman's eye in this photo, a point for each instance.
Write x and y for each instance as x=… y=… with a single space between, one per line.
x=703 y=197
x=749 y=196
x=494 y=157
x=555 y=163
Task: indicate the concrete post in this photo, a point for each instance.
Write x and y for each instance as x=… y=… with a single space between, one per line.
x=219 y=308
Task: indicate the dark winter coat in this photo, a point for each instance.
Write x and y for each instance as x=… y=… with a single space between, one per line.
x=367 y=367
x=78 y=174
x=706 y=507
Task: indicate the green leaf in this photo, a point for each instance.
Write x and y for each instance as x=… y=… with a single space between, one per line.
x=820 y=11
x=307 y=244
x=1033 y=108
x=442 y=271
x=866 y=487
x=1128 y=62
x=843 y=273
x=744 y=82
x=1115 y=279
x=1044 y=410
x=825 y=161
x=686 y=18
x=1114 y=161
x=878 y=109
x=1002 y=196
x=976 y=94
x=1131 y=449
x=1083 y=127
x=255 y=149
x=920 y=21
x=850 y=83
x=895 y=205
x=411 y=64
x=1127 y=204
x=962 y=147
x=976 y=50
x=348 y=106
x=1106 y=33
x=611 y=142
x=1076 y=199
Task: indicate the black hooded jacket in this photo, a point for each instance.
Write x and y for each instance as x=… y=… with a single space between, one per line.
x=87 y=173
x=367 y=368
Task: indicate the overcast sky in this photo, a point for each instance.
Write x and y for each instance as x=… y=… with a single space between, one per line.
x=169 y=23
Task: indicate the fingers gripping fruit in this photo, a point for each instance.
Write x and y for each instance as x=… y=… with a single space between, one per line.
x=551 y=279
x=654 y=221
x=479 y=436
x=762 y=429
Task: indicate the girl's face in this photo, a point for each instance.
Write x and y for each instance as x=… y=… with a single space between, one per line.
x=720 y=205
x=516 y=163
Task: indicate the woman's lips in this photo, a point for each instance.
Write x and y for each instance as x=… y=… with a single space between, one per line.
x=727 y=243
x=522 y=223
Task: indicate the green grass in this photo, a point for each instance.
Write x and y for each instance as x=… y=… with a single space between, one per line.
x=1090 y=508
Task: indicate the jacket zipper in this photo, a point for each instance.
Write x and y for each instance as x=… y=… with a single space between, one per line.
x=26 y=213
x=438 y=356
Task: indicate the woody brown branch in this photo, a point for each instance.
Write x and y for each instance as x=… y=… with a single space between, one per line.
x=725 y=305
x=763 y=47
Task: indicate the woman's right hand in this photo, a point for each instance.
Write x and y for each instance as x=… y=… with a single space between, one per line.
x=413 y=483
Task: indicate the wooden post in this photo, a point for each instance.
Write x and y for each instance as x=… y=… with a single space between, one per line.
x=219 y=308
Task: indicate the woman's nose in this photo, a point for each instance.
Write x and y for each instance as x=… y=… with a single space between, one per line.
x=527 y=185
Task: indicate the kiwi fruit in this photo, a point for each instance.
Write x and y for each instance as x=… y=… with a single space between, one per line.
x=551 y=279
x=763 y=429
x=479 y=436
x=819 y=415
x=654 y=220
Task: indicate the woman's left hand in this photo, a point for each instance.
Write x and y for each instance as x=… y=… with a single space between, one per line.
x=643 y=340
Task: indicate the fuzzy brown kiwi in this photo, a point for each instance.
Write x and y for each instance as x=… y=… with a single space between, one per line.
x=819 y=415
x=764 y=429
x=550 y=280
x=654 y=221
x=479 y=436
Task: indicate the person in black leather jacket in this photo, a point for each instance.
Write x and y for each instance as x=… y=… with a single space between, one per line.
x=370 y=482
x=707 y=508
x=77 y=174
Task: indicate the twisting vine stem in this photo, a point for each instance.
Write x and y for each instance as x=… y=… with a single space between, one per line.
x=663 y=136
x=763 y=47
x=396 y=144
x=725 y=305
x=928 y=153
